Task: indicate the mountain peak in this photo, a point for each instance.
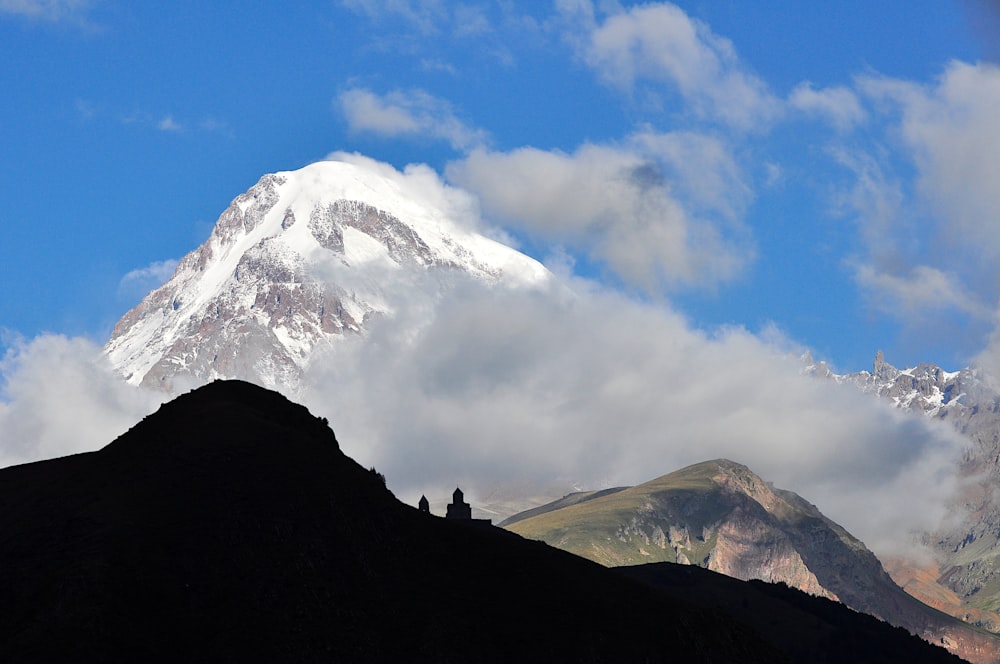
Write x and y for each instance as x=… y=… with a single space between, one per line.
x=299 y=261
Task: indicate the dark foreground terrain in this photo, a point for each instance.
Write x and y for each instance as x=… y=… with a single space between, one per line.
x=229 y=526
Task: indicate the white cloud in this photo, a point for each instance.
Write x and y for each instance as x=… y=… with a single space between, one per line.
x=925 y=197
x=61 y=397
x=527 y=388
x=531 y=388
x=923 y=291
x=660 y=43
x=136 y=283
x=424 y=15
x=876 y=197
x=839 y=105
x=952 y=131
x=412 y=113
x=421 y=184
x=168 y=124
x=700 y=170
x=54 y=11
x=620 y=205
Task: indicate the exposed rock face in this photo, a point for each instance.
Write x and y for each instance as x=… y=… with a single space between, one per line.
x=969 y=550
x=298 y=262
x=721 y=516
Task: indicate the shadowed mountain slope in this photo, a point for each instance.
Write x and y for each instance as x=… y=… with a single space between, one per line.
x=721 y=516
x=808 y=628
x=229 y=526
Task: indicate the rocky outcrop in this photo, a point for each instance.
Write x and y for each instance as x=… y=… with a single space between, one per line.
x=967 y=582
x=721 y=516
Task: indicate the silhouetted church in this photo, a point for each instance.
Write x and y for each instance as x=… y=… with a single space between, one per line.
x=458 y=509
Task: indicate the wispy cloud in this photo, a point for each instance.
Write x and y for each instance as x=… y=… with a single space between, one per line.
x=137 y=283
x=427 y=16
x=163 y=122
x=660 y=44
x=167 y=123
x=152 y=275
x=839 y=105
x=465 y=20
x=922 y=291
x=924 y=196
x=407 y=113
x=51 y=11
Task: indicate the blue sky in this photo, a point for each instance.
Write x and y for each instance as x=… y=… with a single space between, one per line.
x=827 y=171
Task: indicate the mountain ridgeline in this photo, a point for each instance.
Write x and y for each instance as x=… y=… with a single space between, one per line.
x=721 y=516
x=229 y=526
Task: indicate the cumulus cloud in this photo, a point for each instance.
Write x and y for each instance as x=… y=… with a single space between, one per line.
x=660 y=43
x=838 y=105
x=635 y=208
x=598 y=390
x=61 y=397
x=412 y=113
x=421 y=184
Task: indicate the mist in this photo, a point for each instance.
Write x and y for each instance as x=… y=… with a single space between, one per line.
x=536 y=389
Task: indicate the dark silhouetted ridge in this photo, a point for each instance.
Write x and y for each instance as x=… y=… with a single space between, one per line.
x=229 y=526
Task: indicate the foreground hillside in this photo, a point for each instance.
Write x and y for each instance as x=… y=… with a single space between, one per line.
x=806 y=627
x=229 y=526
x=721 y=516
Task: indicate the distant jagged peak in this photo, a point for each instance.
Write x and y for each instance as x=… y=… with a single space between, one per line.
x=925 y=388
x=881 y=369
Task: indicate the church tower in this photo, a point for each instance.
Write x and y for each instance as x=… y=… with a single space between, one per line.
x=459 y=509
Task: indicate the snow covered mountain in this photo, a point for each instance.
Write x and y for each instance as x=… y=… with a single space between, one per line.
x=301 y=260
x=926 y=388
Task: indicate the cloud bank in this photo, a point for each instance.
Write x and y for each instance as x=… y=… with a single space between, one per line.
x=599 y=390
x=60 y=397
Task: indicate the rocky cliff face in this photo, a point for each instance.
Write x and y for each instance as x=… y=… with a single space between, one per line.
x=300 y=261
x=968 y=565
x=722 y=516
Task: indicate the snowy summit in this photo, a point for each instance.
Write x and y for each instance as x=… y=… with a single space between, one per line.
x=301 y=260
